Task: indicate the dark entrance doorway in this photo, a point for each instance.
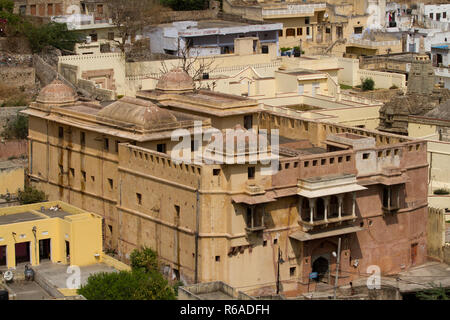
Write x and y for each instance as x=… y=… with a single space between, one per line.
x=320 y=265
x=44 y=249
x=68 y=251
x=22 y=252
x=2 y=255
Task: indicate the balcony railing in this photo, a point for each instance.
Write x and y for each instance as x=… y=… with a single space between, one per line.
x=331 y=220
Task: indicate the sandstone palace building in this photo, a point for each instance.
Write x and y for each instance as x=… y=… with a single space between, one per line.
x=228 y=221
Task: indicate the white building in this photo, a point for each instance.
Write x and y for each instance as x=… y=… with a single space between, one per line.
x=441 y=60
x=209 y=37
x=437 y=12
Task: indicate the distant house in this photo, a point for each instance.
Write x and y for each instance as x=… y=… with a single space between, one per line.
x=210 y=37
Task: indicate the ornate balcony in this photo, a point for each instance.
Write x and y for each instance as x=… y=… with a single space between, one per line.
x=327 y=200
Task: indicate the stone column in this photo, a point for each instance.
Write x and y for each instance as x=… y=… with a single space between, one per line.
x=312 y=205
x=300 y=203
x=326 y=202
x=354 y=205
x=340 y=203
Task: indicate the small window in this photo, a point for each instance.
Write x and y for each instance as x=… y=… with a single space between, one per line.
x=111 y=183
x=323 y=161
x=61 y=169
x=280 y=33
x=347 y=158
x=388 y=153
x=72 y=172
x=83 y=138
x=216 y=172
x=83 y=175
x=366 y=156
x=431 y=15
x=139 y=198
x=265 y=243
x=110 y=35
x=106 y=143
x=327 y=30
x=292 y=271
x=314 y=163
x=116 y=148
x=299 y=31
x=251 y=172
x=275 y=241
x=286 y=166
x=331 y=160
x=290 y=32
x=93 y=178
x=306 y=20
x=396 y=152
x=307 y=31
x=161 y=147
x=417 y=146
x=110 y=228
x=339 y=159
x=217 y=258
x=248 y=122
x=380 y=154
x=61 y=132
x=358 y=30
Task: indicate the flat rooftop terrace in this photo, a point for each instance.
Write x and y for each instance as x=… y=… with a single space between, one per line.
x=37 y=211
x=19 y=217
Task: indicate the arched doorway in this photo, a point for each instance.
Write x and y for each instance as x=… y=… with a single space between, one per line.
x=320 y=265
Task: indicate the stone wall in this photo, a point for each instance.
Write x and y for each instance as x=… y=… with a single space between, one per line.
x=8 y=113
x=436 y=233
x=18 y=76
x=171 y=16
x=96 y=93
x=13 y=148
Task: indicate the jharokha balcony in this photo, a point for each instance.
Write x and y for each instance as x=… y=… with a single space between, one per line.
x=327 y=200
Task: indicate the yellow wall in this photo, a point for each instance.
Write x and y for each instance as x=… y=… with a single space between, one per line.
x=81 y=229
x=11 y=179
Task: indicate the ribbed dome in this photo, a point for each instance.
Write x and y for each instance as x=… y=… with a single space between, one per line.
x=136 y=111
x=175 y=80
x=57 y=93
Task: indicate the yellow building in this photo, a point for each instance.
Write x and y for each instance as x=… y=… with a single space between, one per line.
x=54 y=231
x=213 y=221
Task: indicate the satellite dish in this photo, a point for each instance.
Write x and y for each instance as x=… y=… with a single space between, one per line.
x=325 y=15
x=8 y=275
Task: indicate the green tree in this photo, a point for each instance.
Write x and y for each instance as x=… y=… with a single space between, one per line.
x=31 y=195
x=367 y=84
x=50 y=34
x=16 y=128
x=144 y=259
x=435 y=293
x=127 y=285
